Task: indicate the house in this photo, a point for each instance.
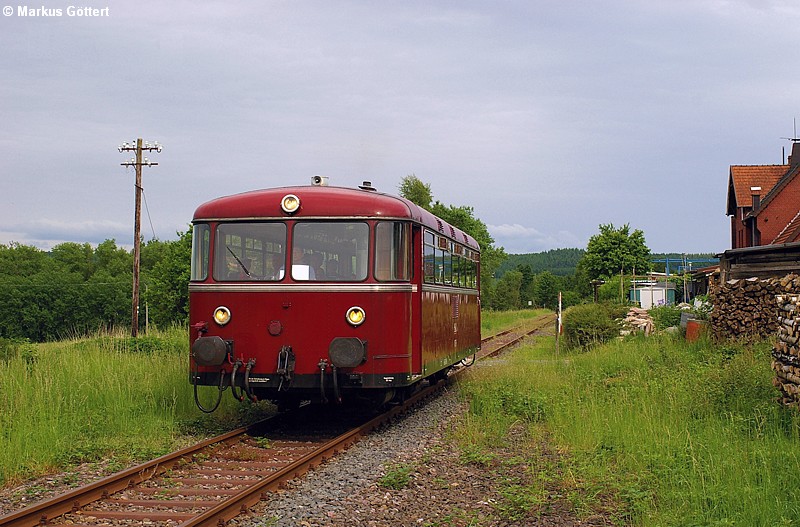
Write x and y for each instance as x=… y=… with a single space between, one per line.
x=650 y=293
x=764 y=203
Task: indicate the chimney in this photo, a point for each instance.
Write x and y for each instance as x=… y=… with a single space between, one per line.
x=794 y=158
x=756 y=193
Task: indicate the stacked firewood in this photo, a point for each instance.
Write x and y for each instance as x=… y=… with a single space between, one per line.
x=745 y=308
x=786 y=353
x=637 y=320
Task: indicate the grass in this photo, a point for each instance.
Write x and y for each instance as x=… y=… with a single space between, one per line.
x=493 y=322
x=74 y=401
x=652 y=432
x=397 y=476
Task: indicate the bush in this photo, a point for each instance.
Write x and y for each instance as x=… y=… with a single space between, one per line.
x=590 y=324
x=665 y=316
x=13 y=348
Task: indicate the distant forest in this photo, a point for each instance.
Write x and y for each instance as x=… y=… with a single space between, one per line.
x=562 y=262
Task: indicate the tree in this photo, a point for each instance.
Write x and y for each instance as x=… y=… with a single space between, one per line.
x=613 y=250
x=75 y=258
x=23 y=260
x=526 y=287
x=545 y=290
x=115 y=260
x=506 y=294
x=168 y=282
x=414 y=190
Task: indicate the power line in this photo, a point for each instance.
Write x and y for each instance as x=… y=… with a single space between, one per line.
x=147 y=210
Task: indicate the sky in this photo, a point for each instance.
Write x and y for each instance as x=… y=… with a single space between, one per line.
x=549 y=118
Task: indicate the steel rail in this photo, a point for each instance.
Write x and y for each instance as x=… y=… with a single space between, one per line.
x=71 y=501
x=539 y=323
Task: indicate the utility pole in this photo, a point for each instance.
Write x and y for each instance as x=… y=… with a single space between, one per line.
x=137 y=162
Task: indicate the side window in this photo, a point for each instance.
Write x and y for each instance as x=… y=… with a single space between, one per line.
x=201 y=235
x=429 y=258
x=393 y=251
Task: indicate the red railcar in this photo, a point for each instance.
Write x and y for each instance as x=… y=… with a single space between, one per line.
x=328 y=294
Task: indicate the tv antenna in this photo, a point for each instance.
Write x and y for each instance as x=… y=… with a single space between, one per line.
x=794 y=138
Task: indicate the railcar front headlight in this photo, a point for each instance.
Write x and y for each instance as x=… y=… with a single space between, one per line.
x=290 y=203
x=222 y=315
x=355 y=316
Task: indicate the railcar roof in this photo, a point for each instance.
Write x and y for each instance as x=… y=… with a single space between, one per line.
x=324 y=201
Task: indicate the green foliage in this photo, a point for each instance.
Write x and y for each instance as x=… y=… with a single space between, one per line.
x=397 y=476
x=493 y=322
x=702 y=307
x=506 y=293
x=168 y=283
x=526 y=292
x=518 y=500
x=560 y=262
x=17 y=348
x=78 y=400
x=507 y=399
x=75 y=258
x=611 y=291
x=545 y=290
x=463 y=217
x=651 y=431
x=665 y=316
x=615 y=249
x=737 y=385
x=414 y=190
x=590 y=324
x=544 y=275
x=77 y=290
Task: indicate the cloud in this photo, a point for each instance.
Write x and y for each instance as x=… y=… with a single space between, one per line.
x=46 y=233
x=519 y=239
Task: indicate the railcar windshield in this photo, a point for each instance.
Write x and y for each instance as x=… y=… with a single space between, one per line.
x=330 y=251
x=249 y=251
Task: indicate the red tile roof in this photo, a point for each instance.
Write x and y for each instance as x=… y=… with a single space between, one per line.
x=742 y=177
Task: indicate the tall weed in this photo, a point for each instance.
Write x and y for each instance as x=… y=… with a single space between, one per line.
x=82 y=399
x=676 y=433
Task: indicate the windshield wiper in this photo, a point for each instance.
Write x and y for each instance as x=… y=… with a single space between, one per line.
x=239 y=262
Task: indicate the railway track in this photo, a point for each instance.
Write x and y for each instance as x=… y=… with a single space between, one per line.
x=495 y=344
x=218 y=479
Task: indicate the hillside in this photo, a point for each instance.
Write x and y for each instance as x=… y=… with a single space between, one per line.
x=560 y=262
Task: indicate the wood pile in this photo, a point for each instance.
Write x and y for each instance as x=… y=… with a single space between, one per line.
x=745 y=308
x=638 y=319
x=786 y=353
x=753 y=307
